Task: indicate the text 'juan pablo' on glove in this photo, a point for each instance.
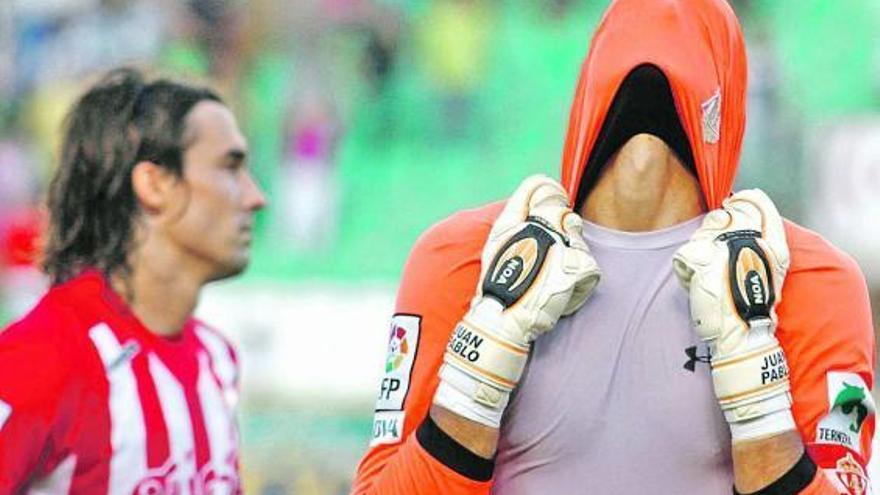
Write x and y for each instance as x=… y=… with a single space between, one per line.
x=535 y=269
x=734 y=267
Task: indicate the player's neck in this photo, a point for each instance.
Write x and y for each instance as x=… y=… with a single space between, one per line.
x=161 y=290
x=644 y=187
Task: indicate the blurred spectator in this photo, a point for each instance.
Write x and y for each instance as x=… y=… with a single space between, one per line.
x=309 y=205
x=454 y=35
x=218 y=26
x=78 y=42
x=20 y=222
x=380 y=56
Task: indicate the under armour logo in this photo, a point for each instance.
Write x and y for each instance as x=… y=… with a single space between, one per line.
x=694 y=358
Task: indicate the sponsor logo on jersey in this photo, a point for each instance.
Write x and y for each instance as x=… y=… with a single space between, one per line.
x=403 y=341
x=850 y=405
x=387 y=427
x=5 y=412
x=851 y=475
x=169 y=479
x=697 y=355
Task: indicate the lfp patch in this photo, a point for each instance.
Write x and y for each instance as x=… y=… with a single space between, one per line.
x=403 y=342
x=850 y=405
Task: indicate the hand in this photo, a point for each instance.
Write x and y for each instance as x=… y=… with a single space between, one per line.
x=536 y=268
x=734 y=267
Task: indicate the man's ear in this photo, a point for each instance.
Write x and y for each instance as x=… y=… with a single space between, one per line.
x=152 y=185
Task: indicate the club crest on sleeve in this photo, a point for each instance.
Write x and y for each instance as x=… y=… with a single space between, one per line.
x=403 y=341
x=851 y=475
x=850 y=405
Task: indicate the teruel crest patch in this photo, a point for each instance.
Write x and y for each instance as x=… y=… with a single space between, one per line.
x=850 y=405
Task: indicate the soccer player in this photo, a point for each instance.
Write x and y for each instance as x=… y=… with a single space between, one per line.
x=109 y=385
x=755 y=379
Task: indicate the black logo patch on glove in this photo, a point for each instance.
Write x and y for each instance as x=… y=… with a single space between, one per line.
x=517 y=265
x=751 y=280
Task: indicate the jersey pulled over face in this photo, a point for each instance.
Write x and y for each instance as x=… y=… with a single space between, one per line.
x=93 y=403
x=698 y=45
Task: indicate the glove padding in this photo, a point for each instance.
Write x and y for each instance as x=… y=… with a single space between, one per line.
x=734 y=267
x=536 y=268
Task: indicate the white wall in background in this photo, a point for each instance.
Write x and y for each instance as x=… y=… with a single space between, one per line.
x=304 y=340
x=844 y=205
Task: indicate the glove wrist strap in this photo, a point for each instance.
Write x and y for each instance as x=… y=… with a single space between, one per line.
x=750 y=377
x=457 y=392
x=479 y=349
x=764 y=426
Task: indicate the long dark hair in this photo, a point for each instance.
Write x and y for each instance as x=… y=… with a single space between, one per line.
x=117 y=123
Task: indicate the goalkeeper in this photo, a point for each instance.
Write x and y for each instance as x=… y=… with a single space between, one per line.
x=677 y=340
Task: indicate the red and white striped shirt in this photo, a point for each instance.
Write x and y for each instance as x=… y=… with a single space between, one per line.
x=91 y=402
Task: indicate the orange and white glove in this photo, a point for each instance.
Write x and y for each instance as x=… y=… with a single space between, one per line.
x=733 y=268
x=536 y=268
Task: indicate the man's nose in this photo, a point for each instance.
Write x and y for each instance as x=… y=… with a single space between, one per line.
x=254 y=197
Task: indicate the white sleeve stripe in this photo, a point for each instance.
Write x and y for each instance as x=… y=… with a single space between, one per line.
x=221 y=358
x=56 y=482
x=5 y=412
x=126 y=413
x=175 y=410
x=219 y=418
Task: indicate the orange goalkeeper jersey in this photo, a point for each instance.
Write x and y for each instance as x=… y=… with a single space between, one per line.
x=824 y=316
x=824 y=326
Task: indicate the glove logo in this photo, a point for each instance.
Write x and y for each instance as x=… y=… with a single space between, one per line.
x=514 y=270
x=750 y=280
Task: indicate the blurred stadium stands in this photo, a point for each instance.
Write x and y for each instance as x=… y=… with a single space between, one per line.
x=371 y=119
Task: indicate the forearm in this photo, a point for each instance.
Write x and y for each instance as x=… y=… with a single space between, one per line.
x=759 y=463
x=480 y=439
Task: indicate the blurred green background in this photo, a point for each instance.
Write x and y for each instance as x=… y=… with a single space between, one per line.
x=368 y=121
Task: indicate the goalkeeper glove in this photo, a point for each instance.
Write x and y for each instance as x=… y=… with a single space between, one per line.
x=536 y=268
x=733 y=268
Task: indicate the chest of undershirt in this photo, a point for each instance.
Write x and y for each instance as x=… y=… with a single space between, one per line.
x=618 y=398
